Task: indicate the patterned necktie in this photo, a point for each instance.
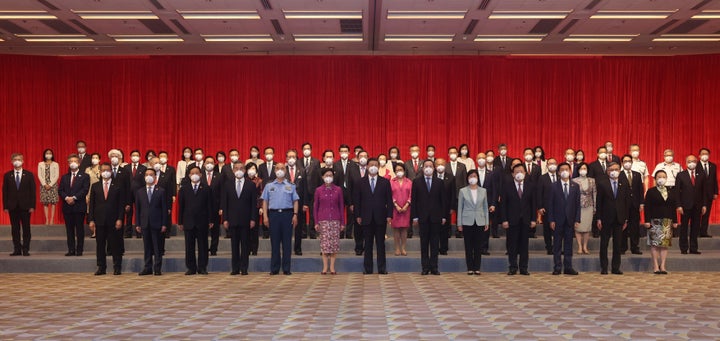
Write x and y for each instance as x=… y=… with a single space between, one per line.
x=238 y=188
x=106 y=188
x=195 y=187
x=292 y=174
x=372 y=185
x=520 y=191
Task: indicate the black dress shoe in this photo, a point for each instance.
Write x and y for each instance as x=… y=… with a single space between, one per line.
x=287 y=273
x=512 y=272
x=425 y=272
x=213 y=253
x=663 y=272
x=604 y=272
x=444 y=253
x=117 y=272
x=26 y=253
x=383 y=272
x=549 y=252
x=274 y=273
x=435 y=272
x=202 y=272
x=234 y=273
x=16 y=253
x=157 y=273
x=683 y=252
x=99 y=272
x=190 y=273
x=254 y=253
x=658 y=272
x=367 y=272
x=358 y=253
x=637 y=252
x=571 y=272
x=524 y=273
x=244 y=273
x=705 y=236
x=695 y=252
x=145 y=273
x=70 y=254
x=556 y=272
x=617 y=272
x=485 y=253
x=79 y=254
x=298 y=253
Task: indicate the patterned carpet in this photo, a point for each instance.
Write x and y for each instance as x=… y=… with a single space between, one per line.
x=400 y=306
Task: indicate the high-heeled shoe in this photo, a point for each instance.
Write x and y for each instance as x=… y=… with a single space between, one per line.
x=323 y=273
x=333 y=273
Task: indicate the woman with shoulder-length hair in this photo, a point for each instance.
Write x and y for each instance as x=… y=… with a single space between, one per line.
x=472 y=220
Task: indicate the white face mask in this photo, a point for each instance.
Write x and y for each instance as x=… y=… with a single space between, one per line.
x=570 y=157
x=393 y=156
x=528 y=157
x=306 y=152
x=691 y=165
x=149 y=179
x=463 y=152
x=473 y=181
x=163 y=160
x=503 y=152
x=198 y=157
x=234 y=158
x=400 y=174
x=660 y=181
x=614 y=174
x=254 y=155
x=564 y=174
x=552 y=168
x=81 y=150
x=580 y=157
x=373 y=170
x=95 y=162
x=363 y=161
x=74 y=166
x=627 y=165
x=280 y=173
x=520 y=176
x=453 y=157
x=344 y=156
x=582 y=172
x=195 y=177
x=291 y=161
x=382 y=163
x=106 y=174
x=602 y=156
x=328 y=179
x=252 y=172
x=269 y=157
x=704 y=157
x=209 y=167
x=609 y=149
x=187 y=155
x=135 y=159
x=428 y=171
x=440 y=169
x=490 y=159
x=538 y=154
x=635 y=154
x=431 y=153
x=221 y=159
x=114 y=161
x=17 y=164
x=157 y=167
x=239 y=174
x=414 y=155
x=668 y=159
x=48 y=156
x=328 y=161
x=481 y=162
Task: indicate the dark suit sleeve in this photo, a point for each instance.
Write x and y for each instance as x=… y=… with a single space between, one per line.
x=121 y=202
x=504 y=206
x=389 y=200
x=91 y=206
x=356 y=199
x=181 y=208
x=164 y=216
x=446 y=203
x=550 y=204
x=138 y=209
x=253 y=209
x=33 y=191
x=413 y=200
x=5 y=191
x=84 y=189
x=62 y=191
x=212 y=210
x=223 y=202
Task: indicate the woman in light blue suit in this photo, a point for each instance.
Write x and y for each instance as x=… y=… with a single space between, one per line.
x=472 y=220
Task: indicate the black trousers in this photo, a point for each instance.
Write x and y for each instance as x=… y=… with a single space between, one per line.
x=240 y=248
x=548 y=236
x=75 y=231
x=311 y=233
x=473 y=237
x=690 y=222
x=517 y=245
x=129 y=227
x=562 y=244
x=300 y=230
x=196 y=235
x=151 y=243
x=254 y=242
x=632 y=232
x=429 y=245
x=358 y=235
x=485 y=237
x=349 y=218
x=214 y=234
x=166 y=234
x=20 y=219
x=705 y=220
x=108 y=237
x=445 y=232
x=614 y=231
x=374 y=233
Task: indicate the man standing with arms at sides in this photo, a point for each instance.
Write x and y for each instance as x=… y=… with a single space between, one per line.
x=563 y=217
x=613 y=206
x=502 y=162
x=280 y=210
x=710 y=170
x=19 y=202
x=373 y=211
x=297 y=176
x=151 y=217
x=518 y=216
x=195 y=212
x=105 y=212
x=429 y=212
x=342 y=171
x=85 y=159
x=311 y=169
x=356 y=173
x=414 y=165
x=239 y=203
x=634 y=182
x=639 y=166
x=451 y=194
x=134 y=173
x=74 y=187
x=213 y=180
x=692 y=195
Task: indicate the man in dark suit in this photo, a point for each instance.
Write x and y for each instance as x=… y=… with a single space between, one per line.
x=636 y=187
x=486 y=180
x=151 y=218
x=134 y=174
x=239 y=205
x=227 y=170
x=313 y=179
x=355 y=174
x=342 y=173
x=502 y=162
x=518 y=215
x=451 y=194
x=297 y=176
x=105 y=211
x=546 y=182
x=533 y=170
x=612 y=207
x=563 y=215
x=214 y=180
x=710 y=170
x=19 y=201
x=599 y=167
x=166 y=182
x=85 y=158
x=73 y=190
x=610 y=156
x=373 y=211
x=692 y=194
x=429 y=212
x=196 y=215
x=124 y=180
x=459 y=173
x=413 y=167
x=267 y=169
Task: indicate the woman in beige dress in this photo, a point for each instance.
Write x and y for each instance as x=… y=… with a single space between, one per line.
x=588 y=192
x=48 y=174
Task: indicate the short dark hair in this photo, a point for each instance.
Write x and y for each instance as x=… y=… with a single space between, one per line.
x=430 y=146
x=220 y=153
x=601 y=147
x=703 y=149
x=105 y=164
x=471 y=172
x=271 y=148
x=148 y=152
x=162 y=152
x=358 y=147
x=451 y=148
x=344 y=146
x=519 y=165
x=233 y=150
x=626 y=156
x=564 y=164
x=328 y=151
x=150 y=169
x=658 y=172
x=198 y=150
x=530 y=149
x=306 y=144
x=325 y=170
x=134 y=151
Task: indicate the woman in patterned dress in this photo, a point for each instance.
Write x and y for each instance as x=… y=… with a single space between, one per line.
x=329 y=216
x=48 y=174
x=660 y=219
x=588 y=191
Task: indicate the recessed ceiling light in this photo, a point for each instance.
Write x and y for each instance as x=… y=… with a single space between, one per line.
x=54 y=38
x=510 y=37
x=116 y=15
x=426 y=14
x=328 y=37
x=529 y=14
x=219 y=15
x=146 y=38
x=323 y=14
x=688 y=37
x=237 y=37
x=416 y=37
x=600 y=37
x=633 y=14
x=708 y=14
x=19 y=15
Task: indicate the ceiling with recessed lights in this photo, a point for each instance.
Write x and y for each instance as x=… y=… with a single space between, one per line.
x=361 y=27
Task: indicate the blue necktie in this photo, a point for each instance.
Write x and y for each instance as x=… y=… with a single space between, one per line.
x=428 y=183
x=372 y=185
x=195 y=188
x=614 y=183
x=566 y=190
x=238 y=188
x=149 y=194
x=17 y=180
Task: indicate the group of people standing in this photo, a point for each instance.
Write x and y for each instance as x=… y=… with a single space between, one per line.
x=361 y=197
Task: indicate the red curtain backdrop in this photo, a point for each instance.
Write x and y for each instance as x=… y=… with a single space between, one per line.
x=217 y=103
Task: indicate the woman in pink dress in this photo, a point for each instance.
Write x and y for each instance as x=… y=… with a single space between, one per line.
x=401 y=188
x=329 y=217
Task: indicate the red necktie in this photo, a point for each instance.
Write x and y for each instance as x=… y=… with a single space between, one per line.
x=134 y=170
x=209 y=179
x=692 y=178
x=105 y=190
x=72 y=179
x=292 y=174
x=520 y=191
x=415 y=165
